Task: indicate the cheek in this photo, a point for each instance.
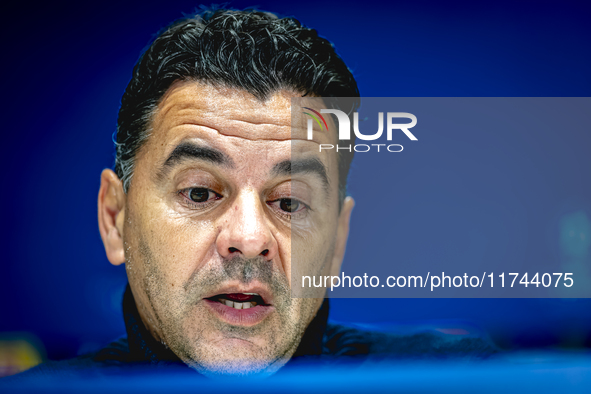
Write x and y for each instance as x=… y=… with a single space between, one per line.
x=311 y=259
x=315 y=242
x=178 y=246
x=284 y=251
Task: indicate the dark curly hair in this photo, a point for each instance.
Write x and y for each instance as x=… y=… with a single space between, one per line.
x=251 y=50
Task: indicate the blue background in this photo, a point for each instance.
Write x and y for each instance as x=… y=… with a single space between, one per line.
x=65 y=67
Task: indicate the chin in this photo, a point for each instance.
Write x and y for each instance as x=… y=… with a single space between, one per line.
x=237 y=368
x=235 y=357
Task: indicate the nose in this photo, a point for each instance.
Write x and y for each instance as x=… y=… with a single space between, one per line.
x=246 y=229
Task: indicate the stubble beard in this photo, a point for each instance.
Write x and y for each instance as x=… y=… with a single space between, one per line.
x=182 y=321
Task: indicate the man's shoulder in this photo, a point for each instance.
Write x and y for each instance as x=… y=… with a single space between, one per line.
x=341 y=340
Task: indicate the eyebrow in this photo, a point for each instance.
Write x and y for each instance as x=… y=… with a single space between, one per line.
x=311 y=166
x=192 y=151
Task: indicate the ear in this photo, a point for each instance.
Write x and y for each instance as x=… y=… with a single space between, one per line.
x=342 y=236
x=111 y=216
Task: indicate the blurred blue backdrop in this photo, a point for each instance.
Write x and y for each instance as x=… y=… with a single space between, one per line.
x=65 y=67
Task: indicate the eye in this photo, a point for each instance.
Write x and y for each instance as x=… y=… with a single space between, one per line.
x=289 y=206
x=199 y=196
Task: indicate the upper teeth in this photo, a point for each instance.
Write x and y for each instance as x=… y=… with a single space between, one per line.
x=238 y=305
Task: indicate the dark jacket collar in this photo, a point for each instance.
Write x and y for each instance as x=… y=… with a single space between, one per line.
x=144 y=348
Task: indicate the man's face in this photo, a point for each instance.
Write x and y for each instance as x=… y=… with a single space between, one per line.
x=222 y=195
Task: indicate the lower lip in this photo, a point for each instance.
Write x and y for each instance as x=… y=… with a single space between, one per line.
x=240 y=317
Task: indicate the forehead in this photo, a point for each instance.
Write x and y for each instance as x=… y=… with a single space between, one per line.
x=228 y=111
x=228 y=117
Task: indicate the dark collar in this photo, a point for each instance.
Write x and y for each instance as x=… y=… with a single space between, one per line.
x=144 y=348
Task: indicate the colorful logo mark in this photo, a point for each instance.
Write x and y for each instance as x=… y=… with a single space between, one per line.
x=316 y=118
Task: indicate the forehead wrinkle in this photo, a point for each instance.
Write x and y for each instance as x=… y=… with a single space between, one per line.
x=222 y=108
x=190 y=102
x=248 y=138
x=249 y=129
x=189 y=112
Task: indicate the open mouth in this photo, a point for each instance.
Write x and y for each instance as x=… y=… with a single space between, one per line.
x=239 y=300
x=245 y=309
